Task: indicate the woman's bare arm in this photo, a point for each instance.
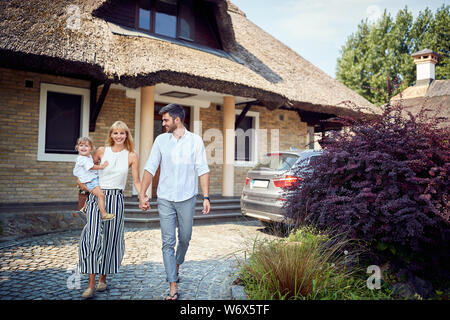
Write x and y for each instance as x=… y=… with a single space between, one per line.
x=134 y=163
x=98 y=155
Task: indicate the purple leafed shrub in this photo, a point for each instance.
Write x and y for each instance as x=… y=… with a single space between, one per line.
x=384 y=180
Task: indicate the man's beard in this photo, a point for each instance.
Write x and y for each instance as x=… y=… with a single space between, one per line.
x=170 y=129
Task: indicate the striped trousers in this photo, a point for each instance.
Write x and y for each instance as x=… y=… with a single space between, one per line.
x=102 y=243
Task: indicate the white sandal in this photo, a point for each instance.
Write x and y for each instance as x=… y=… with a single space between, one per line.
x=101 y=286
x=88 y=293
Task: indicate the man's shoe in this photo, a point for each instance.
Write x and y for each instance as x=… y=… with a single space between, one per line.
x=172 y=297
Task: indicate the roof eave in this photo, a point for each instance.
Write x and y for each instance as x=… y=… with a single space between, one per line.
x=52 y=65
x=91 y=71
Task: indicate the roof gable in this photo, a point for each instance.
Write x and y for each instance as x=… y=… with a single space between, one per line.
x=34 y=35
x=213 y=24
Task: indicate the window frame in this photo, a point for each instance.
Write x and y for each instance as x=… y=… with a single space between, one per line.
x=179 y=25
x=137 y=15
x=84 y=119
x=178 y=36
x=254 y=149
x=154 y=12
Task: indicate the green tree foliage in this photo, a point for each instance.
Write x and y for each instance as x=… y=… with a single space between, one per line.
x=382 y=50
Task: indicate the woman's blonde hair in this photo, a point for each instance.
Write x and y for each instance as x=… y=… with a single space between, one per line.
x=85 y=140
x=129 y=143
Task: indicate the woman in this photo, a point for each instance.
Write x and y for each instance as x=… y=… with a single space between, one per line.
x=102 y=244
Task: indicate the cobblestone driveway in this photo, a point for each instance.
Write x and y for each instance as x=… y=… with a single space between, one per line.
x=43 y=267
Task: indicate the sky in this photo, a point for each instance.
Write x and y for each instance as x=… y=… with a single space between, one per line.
x=317 y=29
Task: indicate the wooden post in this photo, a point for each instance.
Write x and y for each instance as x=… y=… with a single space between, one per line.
x=228 y=146
x=146 y=127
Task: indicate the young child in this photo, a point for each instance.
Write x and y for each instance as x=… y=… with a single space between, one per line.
x=86 y=171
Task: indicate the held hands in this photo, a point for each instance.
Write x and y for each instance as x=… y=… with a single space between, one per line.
x=144 y=204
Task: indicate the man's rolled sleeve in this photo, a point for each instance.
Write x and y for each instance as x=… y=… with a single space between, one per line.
x=154 y=159
x=201 y=164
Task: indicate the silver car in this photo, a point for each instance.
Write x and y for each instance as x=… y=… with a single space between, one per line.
x=266 y=184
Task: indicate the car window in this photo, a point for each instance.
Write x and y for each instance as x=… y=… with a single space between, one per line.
x=314 y=159
x=306 y=160
x=277 y=161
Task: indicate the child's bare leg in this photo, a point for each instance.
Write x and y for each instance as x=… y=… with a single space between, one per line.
x=97 y=191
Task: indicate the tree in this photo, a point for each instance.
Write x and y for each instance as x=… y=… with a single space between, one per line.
x=381 y=51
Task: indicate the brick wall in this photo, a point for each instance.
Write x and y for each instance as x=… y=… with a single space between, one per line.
x=292 y=133
x=212 y=119
x=22 y=177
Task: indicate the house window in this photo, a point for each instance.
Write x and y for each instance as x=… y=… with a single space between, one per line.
x=243 y=140
x=144 y=15
x=62 y=108
x=166 y=18
x=245 y=144
x=187 y=20
x=63 y=118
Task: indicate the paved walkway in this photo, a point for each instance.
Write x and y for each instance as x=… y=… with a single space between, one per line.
x=43 y=267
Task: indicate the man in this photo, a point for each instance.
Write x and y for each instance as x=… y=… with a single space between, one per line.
x=183 y=158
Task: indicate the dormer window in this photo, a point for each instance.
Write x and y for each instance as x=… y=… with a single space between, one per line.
x=166 y=18
x=144 y=15
x=188 y=20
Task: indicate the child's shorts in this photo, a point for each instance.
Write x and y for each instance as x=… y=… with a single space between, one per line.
x=92 y=184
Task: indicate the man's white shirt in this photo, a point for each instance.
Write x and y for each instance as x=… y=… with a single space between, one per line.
x=182 y=162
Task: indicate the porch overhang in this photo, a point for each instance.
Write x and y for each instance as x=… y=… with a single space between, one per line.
x=210 y=89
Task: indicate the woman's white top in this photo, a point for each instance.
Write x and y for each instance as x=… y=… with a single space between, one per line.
x=114 y=176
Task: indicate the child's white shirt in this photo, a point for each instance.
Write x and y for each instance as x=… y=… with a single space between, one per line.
x=82 y=166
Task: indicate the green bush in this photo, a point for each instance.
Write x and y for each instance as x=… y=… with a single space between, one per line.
x=307 y=265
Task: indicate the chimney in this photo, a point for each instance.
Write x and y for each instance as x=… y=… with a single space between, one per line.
x=425 y=61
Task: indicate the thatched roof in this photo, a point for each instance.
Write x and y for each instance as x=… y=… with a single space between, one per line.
x=34 y=35
x=439 y=88
x=435 y=98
